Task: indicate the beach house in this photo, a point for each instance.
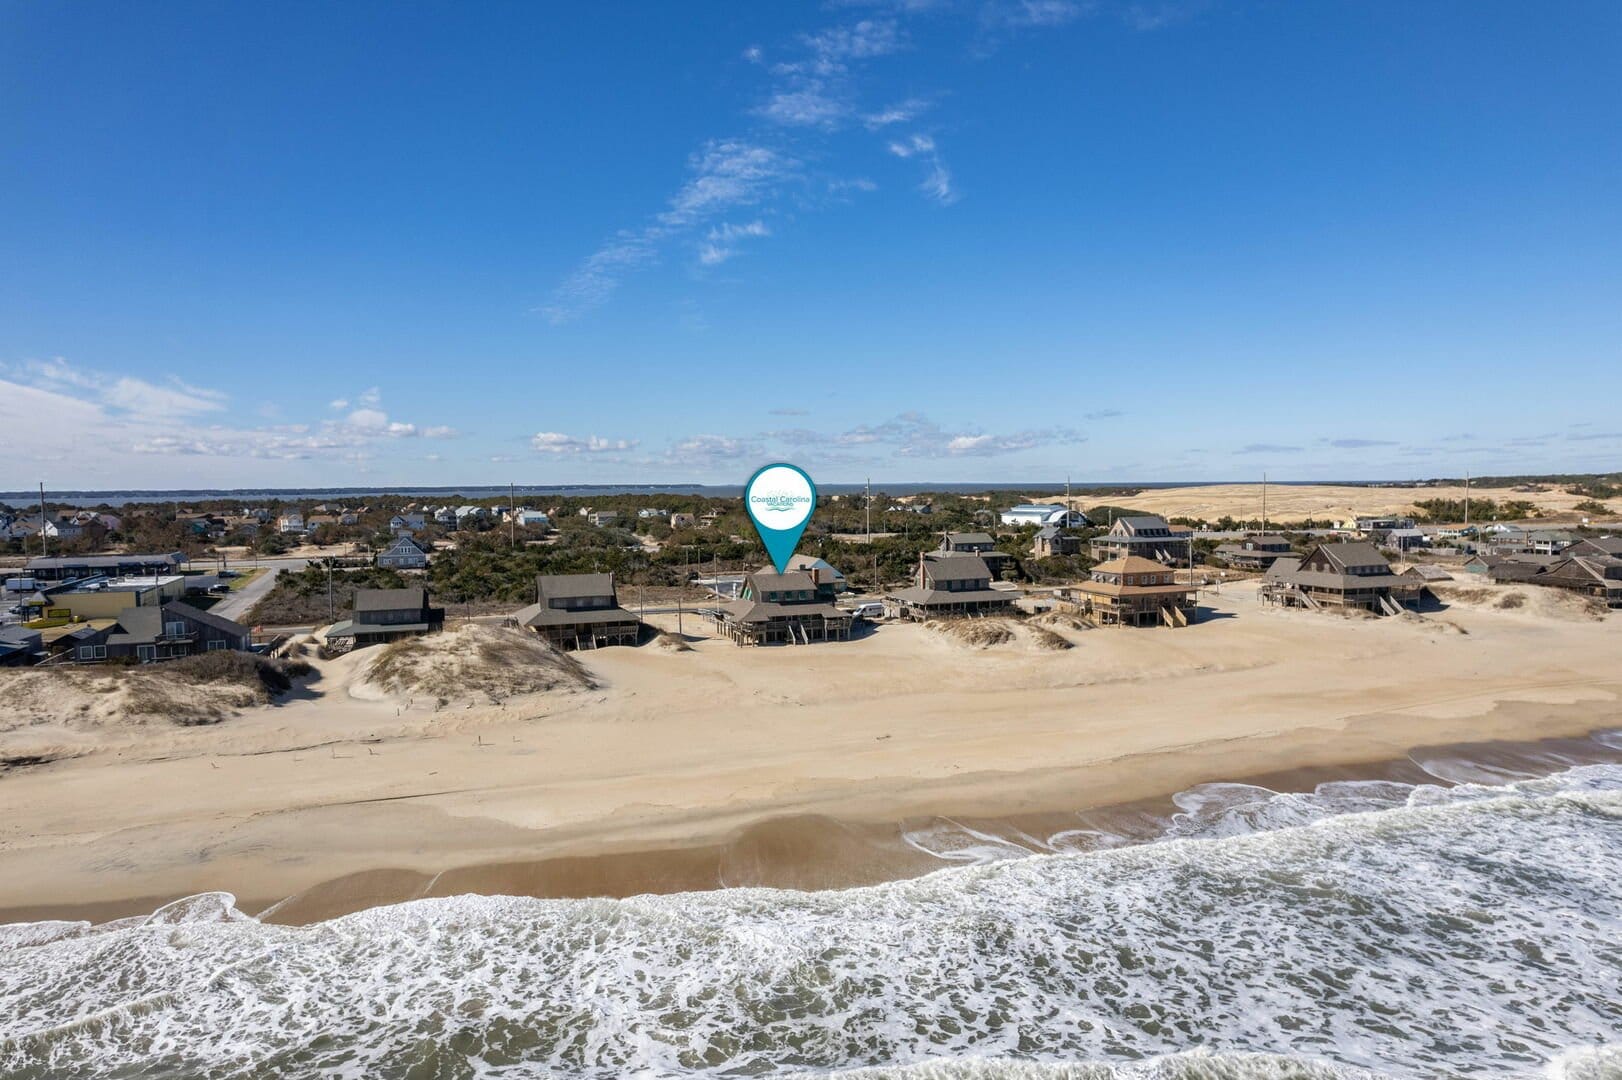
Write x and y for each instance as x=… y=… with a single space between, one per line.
x=383 y=615
x=152 y=634
x=1598 y=576
x=579 y=611
x=796 y=607
x=1050 y=542
x=1148 y=536
x=1257 y=551
x=1134 y=591
x=1340 y=575
x=950 y=584
x=1001 y=564
x=404 y=554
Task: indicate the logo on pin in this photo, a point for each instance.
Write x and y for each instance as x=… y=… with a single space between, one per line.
x=780 y=498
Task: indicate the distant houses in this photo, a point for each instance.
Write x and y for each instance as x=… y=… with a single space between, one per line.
x=379 y=616
x=1340 y=575
x=1257 y=551
x=579 y=611
x=796 y=607
x=1134 y=591
x=1148 y=536
x=950 y=584
x=404 y=554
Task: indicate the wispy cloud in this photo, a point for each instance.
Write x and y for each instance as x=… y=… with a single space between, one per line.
x=721 y=243
x=724 y=175
x=912 y=434
x=1357 y=444
x=1268 y=448
x=903 y=112
x=937 y=182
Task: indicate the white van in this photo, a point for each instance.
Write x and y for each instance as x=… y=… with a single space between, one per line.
x=872 y=610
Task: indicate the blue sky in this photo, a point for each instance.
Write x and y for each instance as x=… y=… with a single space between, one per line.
x=916 y=240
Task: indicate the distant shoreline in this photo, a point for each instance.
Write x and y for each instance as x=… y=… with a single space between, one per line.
x=121 y=497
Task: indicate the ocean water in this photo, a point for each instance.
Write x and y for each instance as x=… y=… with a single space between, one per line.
x=1366 y=929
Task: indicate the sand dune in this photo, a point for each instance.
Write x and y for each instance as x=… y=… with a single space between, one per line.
x=693 y=755
x=1320 y=501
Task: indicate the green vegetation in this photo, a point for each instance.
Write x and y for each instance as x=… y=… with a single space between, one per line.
x=1480 y=510
x=1592 y=506
x=300 y=597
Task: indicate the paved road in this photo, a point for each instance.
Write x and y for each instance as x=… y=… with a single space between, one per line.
x=237 y=605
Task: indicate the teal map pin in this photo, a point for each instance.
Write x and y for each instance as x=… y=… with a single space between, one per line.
x=780 y=498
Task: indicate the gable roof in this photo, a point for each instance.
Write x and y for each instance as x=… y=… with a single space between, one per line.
x=408 y=599
x=1350 y=553
x=940 y=566
x=970 y=538
x=401 y=543
x=1136 y=523
x=207 y=618
x=565 y=586
x=772 y=581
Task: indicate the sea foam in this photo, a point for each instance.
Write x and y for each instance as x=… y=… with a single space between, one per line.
x=1362 y=930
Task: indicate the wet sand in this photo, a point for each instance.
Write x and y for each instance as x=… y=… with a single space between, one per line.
x=800 y=767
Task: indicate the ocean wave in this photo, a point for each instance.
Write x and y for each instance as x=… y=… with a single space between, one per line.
x=1362 y=931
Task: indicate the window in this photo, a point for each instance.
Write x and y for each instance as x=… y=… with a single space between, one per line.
x=216 y=644
x=174 y=629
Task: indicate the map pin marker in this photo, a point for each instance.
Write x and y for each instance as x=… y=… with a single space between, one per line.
x=780 y=498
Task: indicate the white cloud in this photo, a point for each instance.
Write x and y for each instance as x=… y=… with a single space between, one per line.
x=917 y=144
x=721 y=243
x=725 y=174
x=369 y=419
x=124 y=393
x=913 y=434
x=338 y=404
x=555 y=442
x=901 y=113
x=937 y=182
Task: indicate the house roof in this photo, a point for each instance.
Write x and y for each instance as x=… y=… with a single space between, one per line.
x=1130 y=564
x=1351 y=553
x=541 y=615
x=772 y=581
x=759 y=611
x=1605 y=545
x=1428 y=572
x=956 y=567
x=207 y=618
x=811 y=562
x=57 y=562
x=931 y=597
x=970 y=538
x=390 y=599
x=566 y=586
x=1136 y=523
x=400 y=545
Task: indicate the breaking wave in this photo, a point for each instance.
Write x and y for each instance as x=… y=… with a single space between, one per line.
x=1368 y=929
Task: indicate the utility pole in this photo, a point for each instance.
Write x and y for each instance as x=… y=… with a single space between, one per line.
x=512 y=514
x=331 y=609
x=868 y=509
x=1264 y=502
x=1467 y=500
x=42 y=551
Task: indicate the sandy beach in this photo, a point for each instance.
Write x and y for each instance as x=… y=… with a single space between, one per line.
x=796 y=766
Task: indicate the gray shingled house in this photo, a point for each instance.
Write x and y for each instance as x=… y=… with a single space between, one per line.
x=1148 y=536
x=579 y=611
x=404 y=554
x=789 y=608
x=1348 y=575
x=950 y=585
x=161 y=632
x=383 y=615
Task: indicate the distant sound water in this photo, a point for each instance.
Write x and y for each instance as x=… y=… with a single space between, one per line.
x=1378 y=930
